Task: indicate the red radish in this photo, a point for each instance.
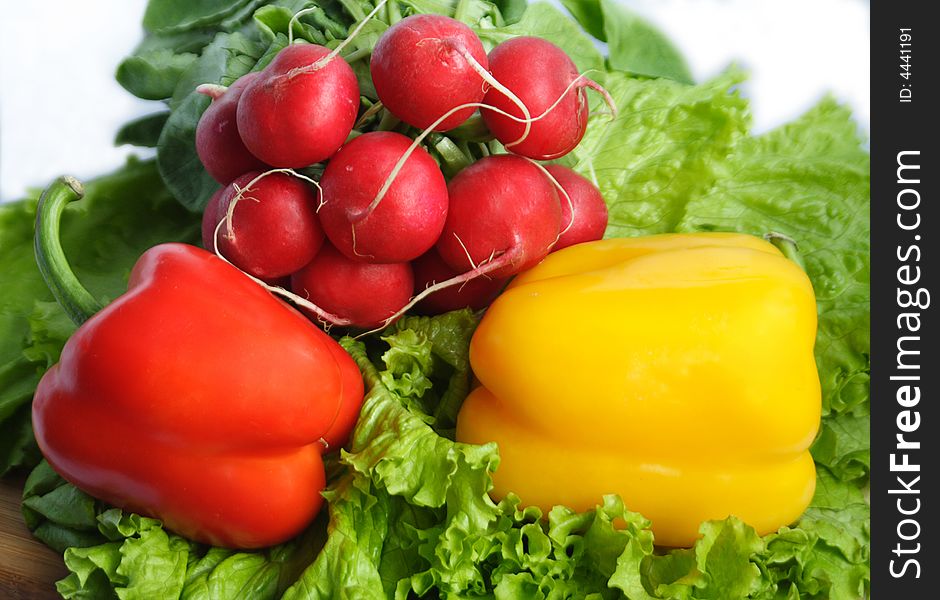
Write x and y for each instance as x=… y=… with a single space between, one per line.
x=504 y=217
x=502 y=208
x=421 y=71
x=476 y=294
x=361 y=294
x=210 y=220
x=545 y=79
x=585 y=219
x=269 y=224
x=218 y=145
x=301 y=109
x=409 y=218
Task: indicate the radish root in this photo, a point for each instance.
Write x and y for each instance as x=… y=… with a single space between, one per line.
x=295 y=19
x=355 y=251
x=328 y=319
x=563 y=193
x=605 y=94
x=213 y=90
x=580 y=80
x=495 y=84
x=496 y=261
x=319 y=64
x=473 y=265
x=239 y=196
x=364 y=214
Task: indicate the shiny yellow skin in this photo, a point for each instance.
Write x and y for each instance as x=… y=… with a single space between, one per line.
x=674 y=370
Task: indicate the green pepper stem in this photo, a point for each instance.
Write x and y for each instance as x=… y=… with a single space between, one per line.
x=77 y=301
x=787 y=247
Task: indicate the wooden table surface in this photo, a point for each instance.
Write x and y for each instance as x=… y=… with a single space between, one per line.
x=28 y=568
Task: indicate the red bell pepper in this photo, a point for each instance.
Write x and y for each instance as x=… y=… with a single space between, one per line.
x=196 y=397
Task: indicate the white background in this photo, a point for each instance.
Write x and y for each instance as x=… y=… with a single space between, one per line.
x=60 y=105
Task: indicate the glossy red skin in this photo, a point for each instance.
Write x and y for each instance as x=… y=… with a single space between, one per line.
x=275 y=225
x=301 y=120
x=411 y=215
x=338 y=434
x=365 y=293
x=538 y=72
x=589 y=220
x=475 y=294
x=420 y=73
x=197 y=398
x=500 y=204
x=210 y=219
x=218 y=144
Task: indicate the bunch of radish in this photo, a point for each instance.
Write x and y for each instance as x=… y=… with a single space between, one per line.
x=383 y=230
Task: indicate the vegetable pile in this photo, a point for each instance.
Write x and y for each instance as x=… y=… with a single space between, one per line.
x=409 y=513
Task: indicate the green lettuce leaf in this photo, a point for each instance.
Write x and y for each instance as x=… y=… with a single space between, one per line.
x=18 y=375
x=428 y=364
x=827 y=554
x=668 y=144
x=844 y=446
x=113 y=554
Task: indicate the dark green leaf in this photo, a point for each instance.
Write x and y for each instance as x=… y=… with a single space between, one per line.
x=634 y=45
x=67 y=505
x=181 y=42
x=180 y=167
x=227 y=58
x=153 y=75
x=144 y=131
x=512 y=10
x=57 y=513
x=163 y=16
x=637 y=47
x=17 y=446
x=546 y=21
x=274 y=20
x=589 y=14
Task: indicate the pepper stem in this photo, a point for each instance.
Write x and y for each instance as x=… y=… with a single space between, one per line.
x=77 y=301
x=787 y=247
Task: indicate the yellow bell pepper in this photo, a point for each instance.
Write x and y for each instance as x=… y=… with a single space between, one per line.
x=675 y=370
